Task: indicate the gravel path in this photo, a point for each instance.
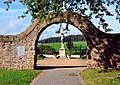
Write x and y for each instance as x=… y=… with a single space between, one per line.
x=60 y=76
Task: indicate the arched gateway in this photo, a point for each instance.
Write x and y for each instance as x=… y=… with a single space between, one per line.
x=18 y=52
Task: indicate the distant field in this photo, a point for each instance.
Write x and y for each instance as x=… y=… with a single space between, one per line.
x=56 y=46
x=82 y=43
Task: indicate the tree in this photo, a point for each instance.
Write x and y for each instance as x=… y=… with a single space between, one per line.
x=70 y=46
x=47 y=9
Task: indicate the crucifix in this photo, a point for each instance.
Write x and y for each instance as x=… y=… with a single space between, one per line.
x=62 y=32
x=62 y=49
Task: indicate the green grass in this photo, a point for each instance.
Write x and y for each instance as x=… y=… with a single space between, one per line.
x=57 y=46
x=98 y=77
x=17 y=77
x=82 y=43
x=40 y=58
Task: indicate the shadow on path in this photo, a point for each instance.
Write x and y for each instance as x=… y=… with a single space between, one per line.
x=55 y=67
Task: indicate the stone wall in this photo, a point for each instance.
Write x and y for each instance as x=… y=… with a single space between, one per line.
x=105 y=50
x=9 y=58
x=102 y=47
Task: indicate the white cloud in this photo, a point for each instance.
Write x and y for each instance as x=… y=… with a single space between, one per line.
x=3 y=10
x=13 y=26
x=11 y=14
x=14 y=22
x=9 y=22
x=10 y=27
x=50 y=31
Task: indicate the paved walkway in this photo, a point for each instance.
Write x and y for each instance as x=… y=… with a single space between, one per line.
x=60 y=72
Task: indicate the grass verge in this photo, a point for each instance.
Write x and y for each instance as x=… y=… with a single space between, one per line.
x=100 y=77
x=17 y=77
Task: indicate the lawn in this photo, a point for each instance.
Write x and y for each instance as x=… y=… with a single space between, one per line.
x=17 y=77
x=100 y=77
x=57 y=46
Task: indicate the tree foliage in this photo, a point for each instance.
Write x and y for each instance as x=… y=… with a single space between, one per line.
x=89 y=8
x=70 y=45
x=45 y=49
x=66 y=39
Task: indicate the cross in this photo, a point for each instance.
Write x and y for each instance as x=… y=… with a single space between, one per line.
x=62 y=32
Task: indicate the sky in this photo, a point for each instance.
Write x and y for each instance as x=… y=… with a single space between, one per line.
x=11 y=25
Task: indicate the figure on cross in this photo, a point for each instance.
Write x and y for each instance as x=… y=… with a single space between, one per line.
x=62 y=32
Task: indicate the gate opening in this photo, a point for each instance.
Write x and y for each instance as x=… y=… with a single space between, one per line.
x=49 y=45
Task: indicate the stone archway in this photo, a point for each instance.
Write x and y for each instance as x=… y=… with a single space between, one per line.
x=101 y=46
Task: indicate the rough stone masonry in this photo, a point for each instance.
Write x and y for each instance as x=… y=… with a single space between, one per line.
x=103 y=49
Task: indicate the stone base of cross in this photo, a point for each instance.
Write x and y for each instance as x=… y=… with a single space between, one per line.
x=62 y=53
